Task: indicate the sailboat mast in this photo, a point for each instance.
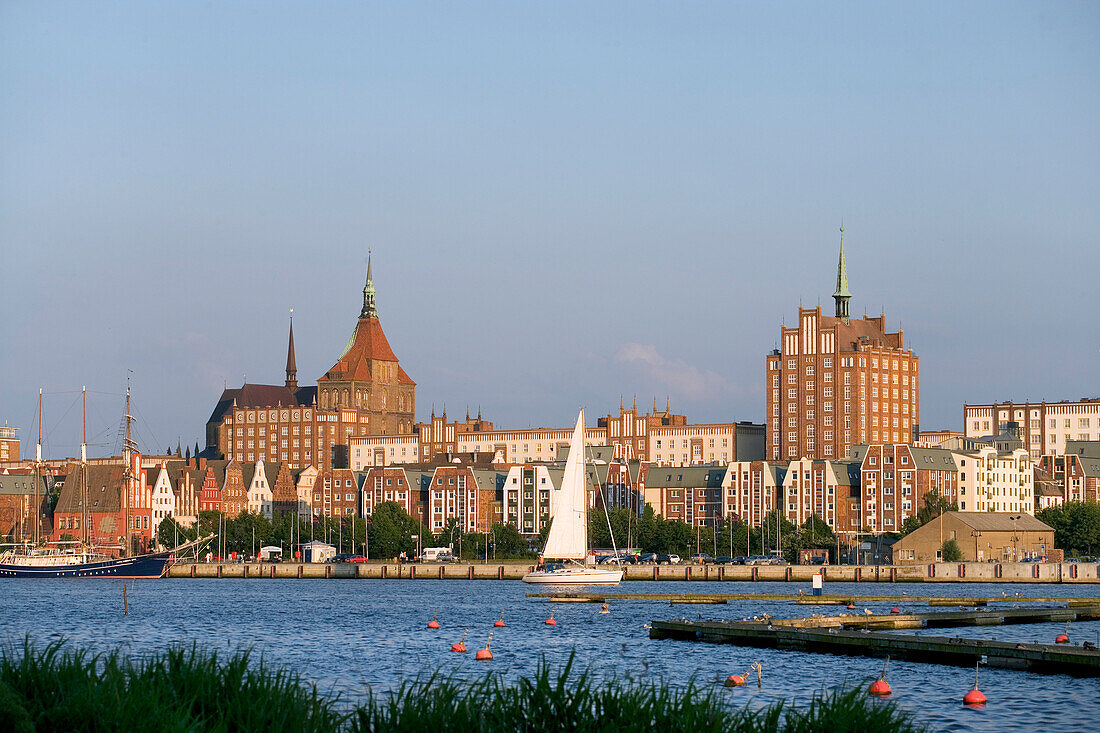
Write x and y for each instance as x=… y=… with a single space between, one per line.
x=38 y=475
x=85 y=534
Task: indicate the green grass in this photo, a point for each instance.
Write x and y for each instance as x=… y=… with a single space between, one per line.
x=57 y=688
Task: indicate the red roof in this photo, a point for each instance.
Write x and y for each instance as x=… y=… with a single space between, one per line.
x=368 y=343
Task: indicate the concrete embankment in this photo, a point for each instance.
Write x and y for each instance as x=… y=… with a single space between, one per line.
x=938 y=572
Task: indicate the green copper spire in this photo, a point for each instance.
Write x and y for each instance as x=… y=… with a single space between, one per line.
x=842 y=293
x=368 y=294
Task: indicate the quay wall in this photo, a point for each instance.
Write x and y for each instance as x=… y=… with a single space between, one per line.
x=934 y=573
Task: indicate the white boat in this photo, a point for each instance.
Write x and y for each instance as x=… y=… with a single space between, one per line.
x=563 y=560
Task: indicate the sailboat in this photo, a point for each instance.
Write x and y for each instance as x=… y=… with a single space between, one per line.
x=81 y=559
x=563 y=560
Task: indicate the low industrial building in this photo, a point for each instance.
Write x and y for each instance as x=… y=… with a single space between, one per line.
x=981 y=536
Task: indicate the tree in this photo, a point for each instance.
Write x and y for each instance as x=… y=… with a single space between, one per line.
x=171 y=533
x=1076 y=526
x=933 y=505
x=392 y=531
x=951 y=552
x=509 y=542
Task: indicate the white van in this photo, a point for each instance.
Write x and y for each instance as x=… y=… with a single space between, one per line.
x=436 y=554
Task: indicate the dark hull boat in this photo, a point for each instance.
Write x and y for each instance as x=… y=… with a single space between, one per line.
x=151 y=565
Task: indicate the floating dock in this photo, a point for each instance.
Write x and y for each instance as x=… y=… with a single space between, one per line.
x=804 y=600
x=849 y=635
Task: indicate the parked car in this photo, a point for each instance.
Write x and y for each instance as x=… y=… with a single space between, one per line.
x=756 y=560
x=818 y=561
x=701 y=558
x=723 y=560
x=647 y=557
x=776 y=560
x=674 y=559
x=739 y=560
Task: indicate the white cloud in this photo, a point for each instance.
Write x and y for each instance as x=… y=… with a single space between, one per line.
x=676 y=375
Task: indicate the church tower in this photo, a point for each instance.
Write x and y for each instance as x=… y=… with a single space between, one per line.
x=291 y=365
x=368 y=376
x=842 y=294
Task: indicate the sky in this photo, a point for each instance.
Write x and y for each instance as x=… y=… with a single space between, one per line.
x=566 y=201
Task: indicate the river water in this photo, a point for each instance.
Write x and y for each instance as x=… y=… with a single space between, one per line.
x=352 y=637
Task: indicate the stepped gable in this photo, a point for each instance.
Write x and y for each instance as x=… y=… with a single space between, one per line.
x=367 y=344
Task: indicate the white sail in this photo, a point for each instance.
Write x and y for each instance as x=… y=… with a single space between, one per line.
x=568 y=536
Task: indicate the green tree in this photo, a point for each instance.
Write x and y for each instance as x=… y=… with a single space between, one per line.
x=1076 y=526
x=951 y=552
x=171 y=533
x=508 y=542
x=933 y=505
x=392 y=531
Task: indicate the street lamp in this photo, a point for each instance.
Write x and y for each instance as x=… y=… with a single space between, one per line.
x=976 y=534
x=1015 y=548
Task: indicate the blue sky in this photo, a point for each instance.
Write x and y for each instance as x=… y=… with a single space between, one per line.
x=566 y=201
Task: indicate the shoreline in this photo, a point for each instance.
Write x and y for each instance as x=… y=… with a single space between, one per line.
x=1042 y=573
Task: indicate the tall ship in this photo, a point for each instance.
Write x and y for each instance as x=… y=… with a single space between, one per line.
x=565 y=558
x=82 y=558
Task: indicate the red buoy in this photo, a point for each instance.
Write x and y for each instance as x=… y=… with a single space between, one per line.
x=851 y=606
x=433 y=624
x=484 y=654
x=734 y=680
x=880 y=688
x=550 y=621
x=500 y=621
x=459 y=647
x=974 y=698
x=895 y=610
x=1061 y=639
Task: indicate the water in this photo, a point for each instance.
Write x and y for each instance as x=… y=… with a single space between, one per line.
x=352 y=637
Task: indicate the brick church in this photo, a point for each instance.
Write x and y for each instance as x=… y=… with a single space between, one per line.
x=365 y=392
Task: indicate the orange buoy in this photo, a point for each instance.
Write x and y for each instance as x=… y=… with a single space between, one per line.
x=895 y=610
x=484 y=654
x=459 y=647
x=550 y=621
x=500 y=621
x=880 y=687
x=851 y=606
x=1061 y=639
x=734 y=680
x=974 y=698
x=433 y=624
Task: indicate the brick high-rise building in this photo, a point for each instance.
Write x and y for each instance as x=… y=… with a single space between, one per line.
x=837 y=381
x=365 y=391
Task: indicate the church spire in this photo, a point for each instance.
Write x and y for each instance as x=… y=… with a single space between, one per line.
x=291 y=366
x=842 y=294
x=368 y=294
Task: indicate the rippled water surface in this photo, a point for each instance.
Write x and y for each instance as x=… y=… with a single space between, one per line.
x=352 y=636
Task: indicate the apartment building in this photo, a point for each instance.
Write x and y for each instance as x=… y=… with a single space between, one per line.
x=992 y=481
x=1044 y=427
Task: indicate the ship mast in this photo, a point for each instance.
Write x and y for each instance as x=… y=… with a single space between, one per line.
x=128 y=449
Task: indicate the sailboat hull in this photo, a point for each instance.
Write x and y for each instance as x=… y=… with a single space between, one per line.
x=575 y=576
x=142 y=566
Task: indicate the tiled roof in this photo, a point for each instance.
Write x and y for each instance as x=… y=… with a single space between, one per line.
x=367 y=343
x=665 y=477
x=104 y=482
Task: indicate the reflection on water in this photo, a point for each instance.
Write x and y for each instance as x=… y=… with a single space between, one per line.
x=358 y=635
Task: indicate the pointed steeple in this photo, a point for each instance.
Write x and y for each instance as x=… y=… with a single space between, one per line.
x=368 y=293
x=842 y=294
x=291 y=366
